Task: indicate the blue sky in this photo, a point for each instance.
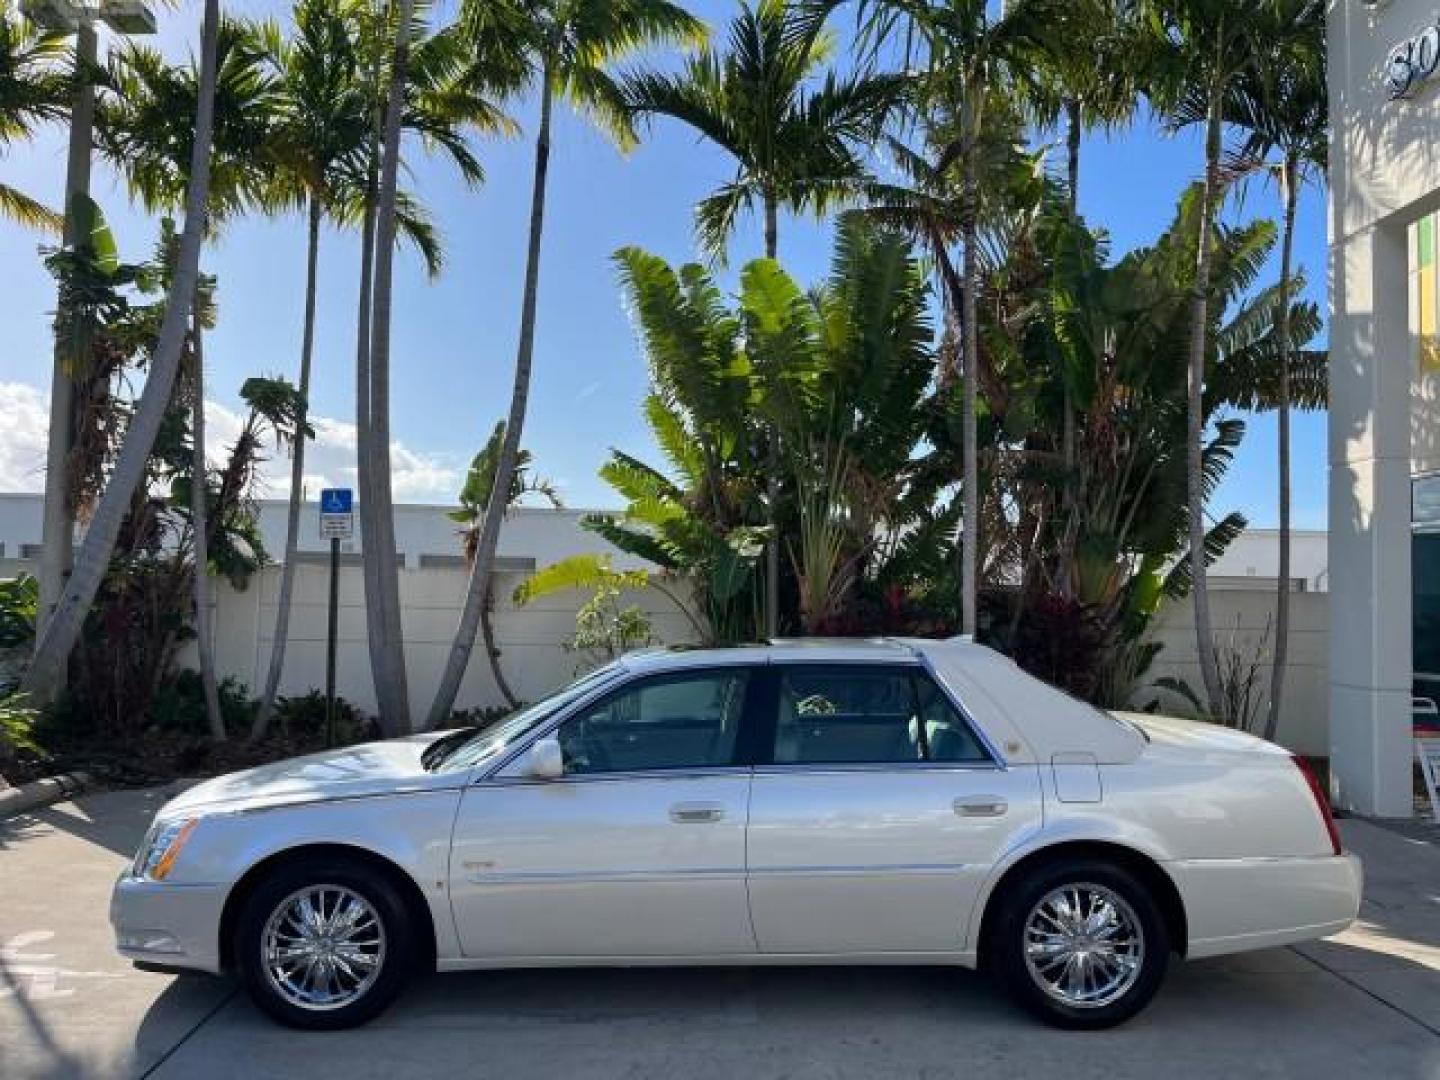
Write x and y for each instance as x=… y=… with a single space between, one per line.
x=454 y=338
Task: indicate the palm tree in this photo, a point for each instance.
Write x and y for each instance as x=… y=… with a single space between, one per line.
x=792 y=146
x=1281 y=103
x=62 y=629
x=967 y=54
x=436 y=86
x=34 y=89
x=570 y=44
x=374 y=459
x=320 y=147
x=1201 y=49
x=146 y=130
x=1087 y=75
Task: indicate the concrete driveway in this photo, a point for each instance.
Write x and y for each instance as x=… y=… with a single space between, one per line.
x=1365 y=1005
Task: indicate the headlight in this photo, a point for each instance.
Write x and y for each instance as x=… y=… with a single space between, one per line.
x=162 y=847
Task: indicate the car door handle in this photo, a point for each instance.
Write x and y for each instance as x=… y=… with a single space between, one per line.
x=981 y=806
x=696 y=813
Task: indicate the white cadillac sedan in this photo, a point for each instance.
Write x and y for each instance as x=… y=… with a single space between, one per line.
x=886 y=802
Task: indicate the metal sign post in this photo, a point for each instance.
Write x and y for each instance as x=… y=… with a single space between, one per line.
x=337 y=522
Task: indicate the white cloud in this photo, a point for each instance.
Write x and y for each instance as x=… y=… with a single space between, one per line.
x=329 y=460
x=24 y=421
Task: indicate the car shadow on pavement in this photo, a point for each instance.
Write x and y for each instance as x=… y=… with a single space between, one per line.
x=114 y=820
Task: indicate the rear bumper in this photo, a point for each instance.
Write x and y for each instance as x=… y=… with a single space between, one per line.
x=1233 y=905
x=168 y=927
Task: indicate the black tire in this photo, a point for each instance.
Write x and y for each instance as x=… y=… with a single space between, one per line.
x=397 y=959
x=1006 y=951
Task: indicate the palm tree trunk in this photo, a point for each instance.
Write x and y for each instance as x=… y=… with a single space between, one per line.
x=374 y=634
x=772 y=227
x=200 y=530
x=482 y=571
x=1290 y=183
x=772 y=486
x=1073 y=132
x=387 y=574
x=62 y=629
x=57 y=548
x=487 y=637
x=970 y=362
x=297 y=484
x=1199 y=332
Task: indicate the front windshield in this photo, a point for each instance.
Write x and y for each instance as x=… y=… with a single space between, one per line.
x=495 y=737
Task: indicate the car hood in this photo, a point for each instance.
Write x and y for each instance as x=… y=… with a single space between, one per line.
x=1197 y=735
x=377 y=768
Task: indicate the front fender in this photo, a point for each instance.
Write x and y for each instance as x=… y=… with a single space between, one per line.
x=411 y=831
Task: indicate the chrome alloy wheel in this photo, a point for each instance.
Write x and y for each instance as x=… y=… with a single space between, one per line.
x=323 y=947
x=1084 y=946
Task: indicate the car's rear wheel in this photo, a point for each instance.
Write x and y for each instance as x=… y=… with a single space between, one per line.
x=1080 y=943
x=324 y=944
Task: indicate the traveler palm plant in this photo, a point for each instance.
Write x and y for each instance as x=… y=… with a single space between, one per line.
x=794 y=141
x=474 y=502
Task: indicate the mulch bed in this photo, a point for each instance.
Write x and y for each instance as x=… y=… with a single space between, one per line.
x=152 y=758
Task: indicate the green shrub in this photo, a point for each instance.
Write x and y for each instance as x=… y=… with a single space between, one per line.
x=303 y=718
x=19 y=601
x=17 y=725
x=180 y=706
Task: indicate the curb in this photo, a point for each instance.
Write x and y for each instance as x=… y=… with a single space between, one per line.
x=41 y=793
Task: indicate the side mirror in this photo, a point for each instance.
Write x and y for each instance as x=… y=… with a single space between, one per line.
x=545 y=761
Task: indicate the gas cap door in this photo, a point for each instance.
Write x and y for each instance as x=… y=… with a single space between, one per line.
x=1077 y=777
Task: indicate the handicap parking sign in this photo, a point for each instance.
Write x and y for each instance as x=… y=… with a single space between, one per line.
x=337 y=501
x=337 y=507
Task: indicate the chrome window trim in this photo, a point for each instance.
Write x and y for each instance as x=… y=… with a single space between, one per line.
x=843 y=767
x=684 y=773
x=910 y=659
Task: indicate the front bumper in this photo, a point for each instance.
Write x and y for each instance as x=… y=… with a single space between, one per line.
x=1234 y=905
x=168 y=926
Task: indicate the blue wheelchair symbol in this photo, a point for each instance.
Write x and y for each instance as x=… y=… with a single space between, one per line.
x=337 y=501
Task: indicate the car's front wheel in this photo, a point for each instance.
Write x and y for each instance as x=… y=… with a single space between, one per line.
x=324 y=944
x=1081 y=943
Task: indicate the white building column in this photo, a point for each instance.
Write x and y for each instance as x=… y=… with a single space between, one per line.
x=1370 y=629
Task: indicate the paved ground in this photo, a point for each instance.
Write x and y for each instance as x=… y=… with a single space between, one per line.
x=1364 y=1005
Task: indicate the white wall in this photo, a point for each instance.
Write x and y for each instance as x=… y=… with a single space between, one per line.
x=1241 y=618
x=528 y=638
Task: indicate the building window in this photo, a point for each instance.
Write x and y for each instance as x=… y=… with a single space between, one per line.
x=1424 y=317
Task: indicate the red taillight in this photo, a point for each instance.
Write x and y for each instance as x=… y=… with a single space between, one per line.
x=1321 y=802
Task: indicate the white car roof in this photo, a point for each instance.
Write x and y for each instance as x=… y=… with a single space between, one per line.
x=1027 y=720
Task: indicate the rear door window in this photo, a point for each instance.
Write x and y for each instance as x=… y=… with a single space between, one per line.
x=878 y=715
